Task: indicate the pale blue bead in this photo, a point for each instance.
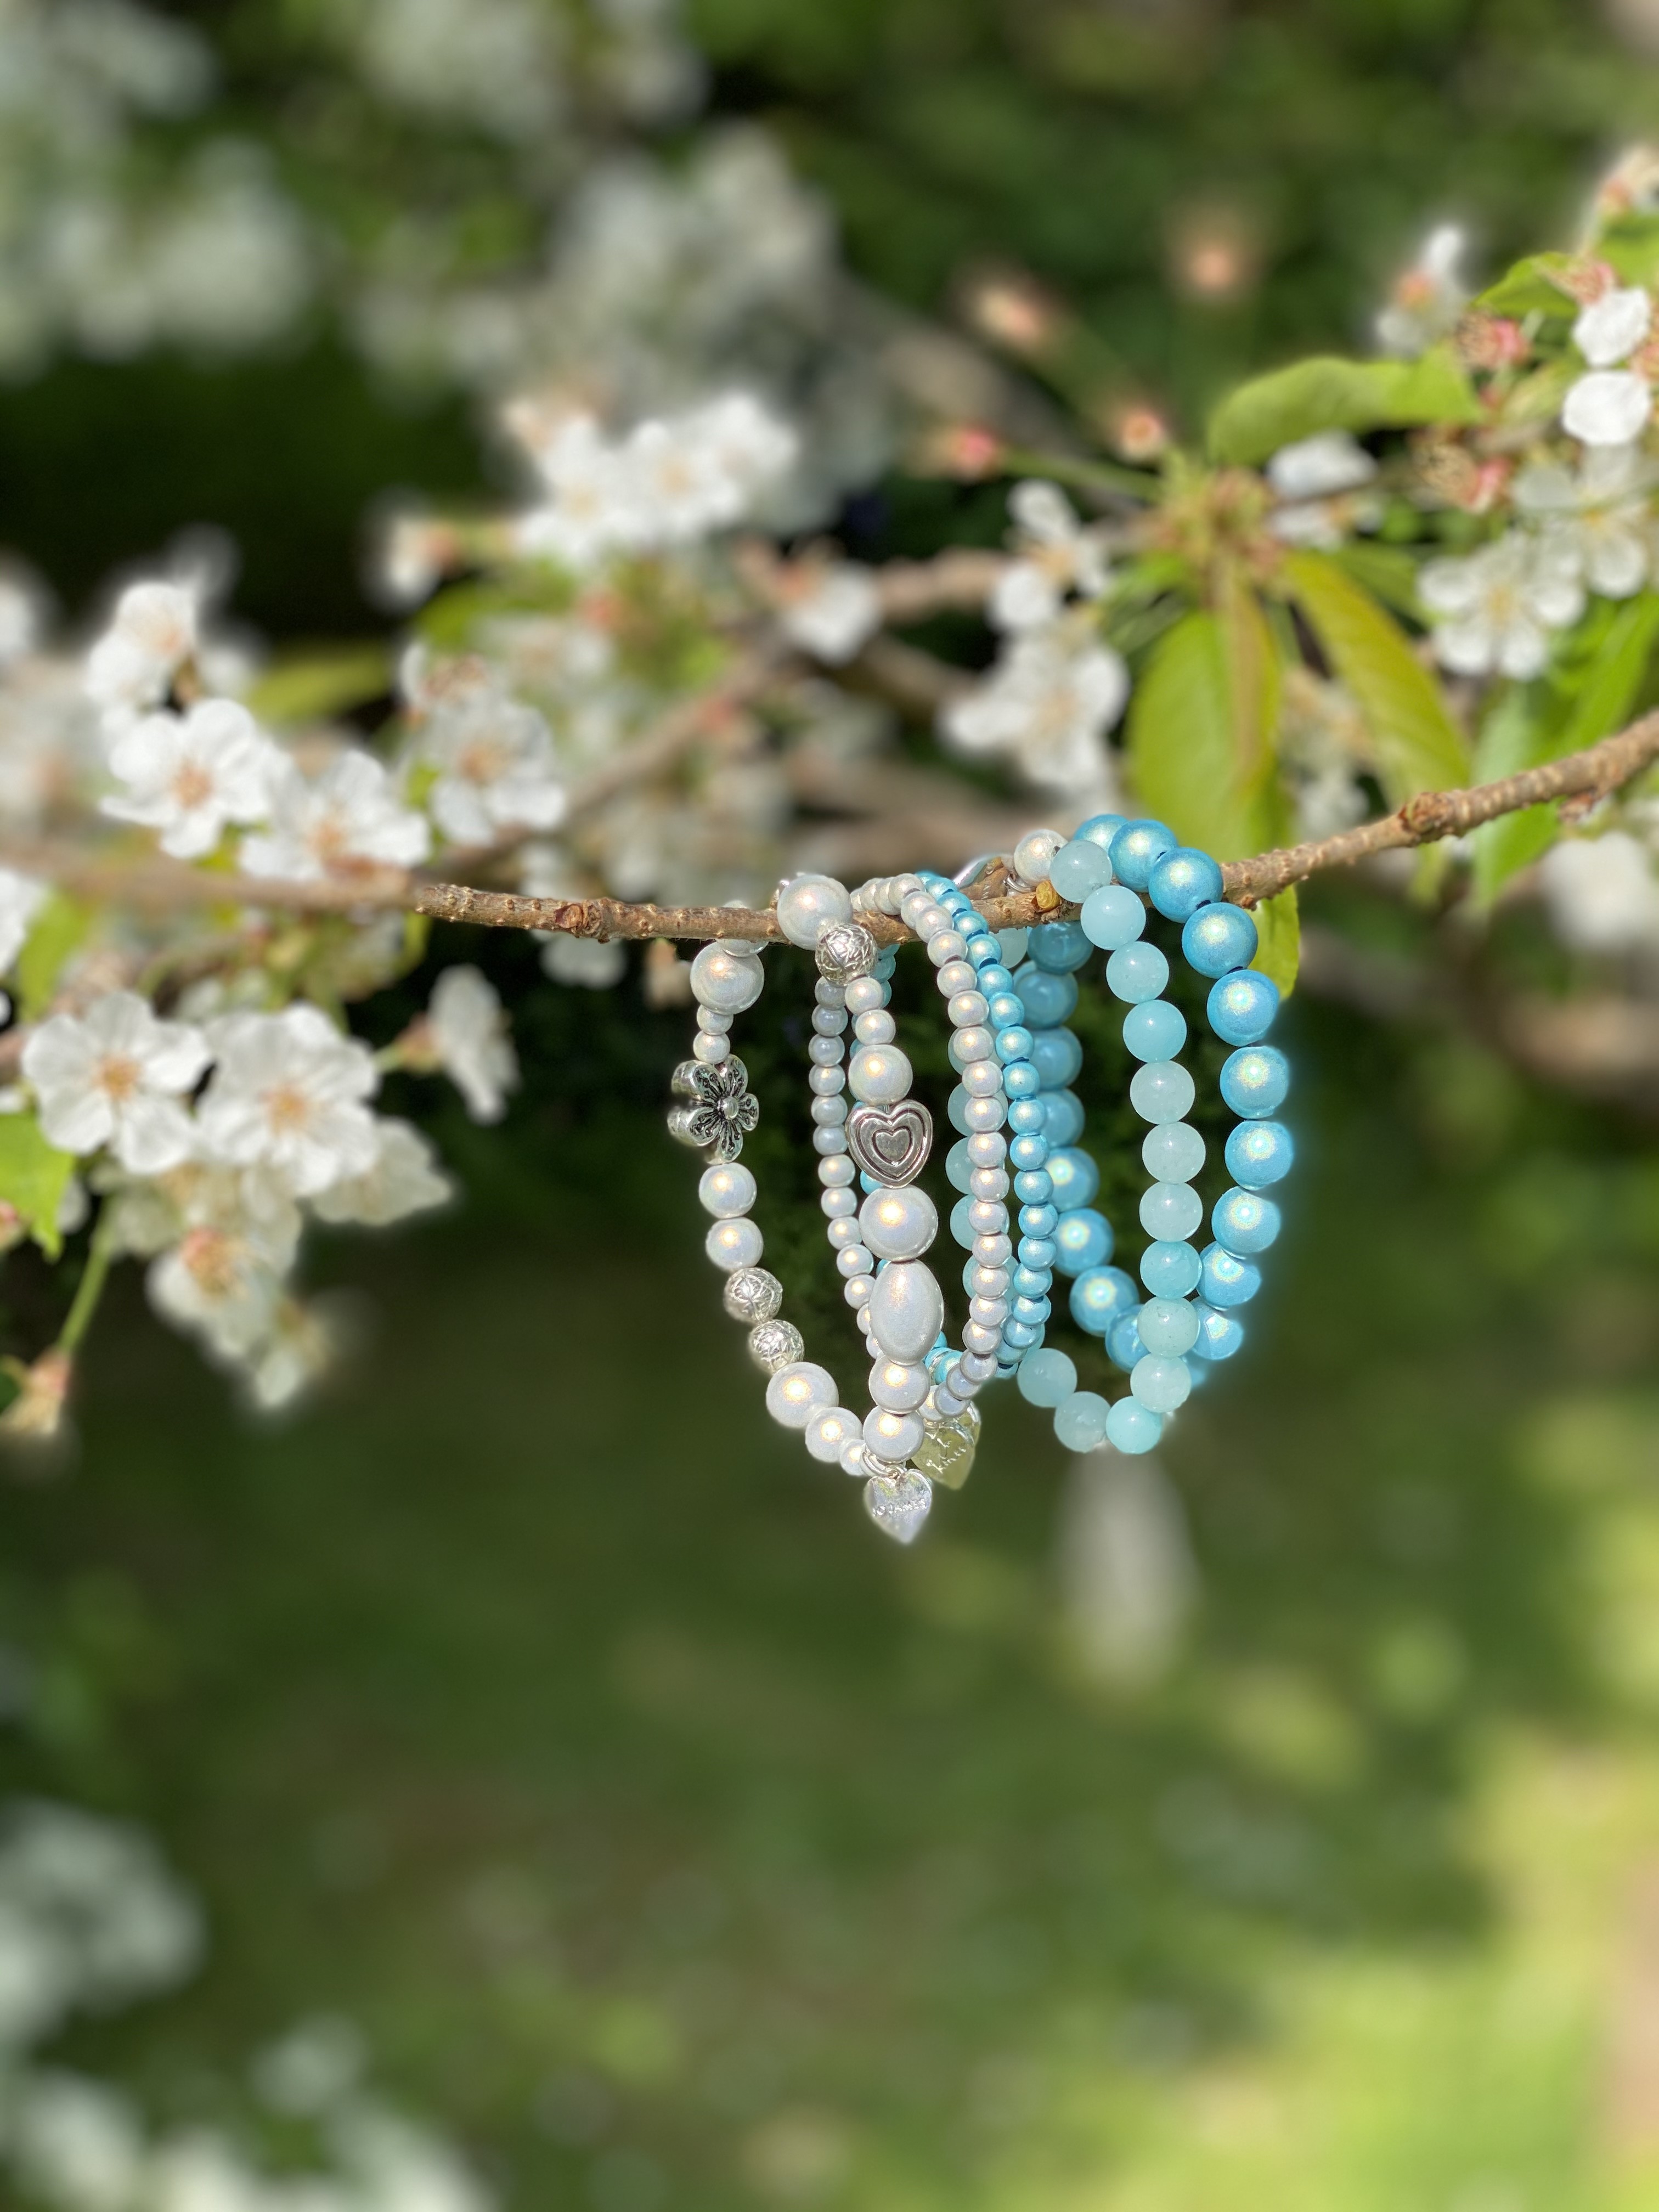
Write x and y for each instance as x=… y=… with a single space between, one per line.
x=1183 y=881
x=1123 y=1346
x=1100 y=1297
x=1241 y=1007
x=1080 y=1422
x=1049 y=999
x=1171 y=1211
x=1255 y=1082
x=886 y=964
x=1244 y=1223
x=1012 y=945
x=1112 y=918
x=1014 y=1043
x=1004 y=1010
x=1220 y=1335
x=961 y=1228
x=1260 y=1153
x=1170 y=1270
x=1026 y=1115
x=1168 y=1327
x=982 y=948
x=1058 y=946
x=1046 y=1377
x=1137 y=850
x=1137 y=973
x=1100 y=830
x=1218 y=939
x=1073 y=1177
x=1019 y=1334
x=1171 y=1152
x=1020 y=1079
x=1057 y=1055
x=1162 y=1091
x=1161 y=1385
x=1079 y=868
x=1227 y=1279
x=969 y=1267
x=953 y=1106
x=1133 y=1427
x=1062 y=1116
x=1083 y=1239
x=1027 y=1151
x=959 y=1168
x=1154 y=1031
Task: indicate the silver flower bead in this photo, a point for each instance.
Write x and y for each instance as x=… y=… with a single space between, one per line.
x=774 y=1344
x=845 y=950
x=751 y=1294
x=723 y=1109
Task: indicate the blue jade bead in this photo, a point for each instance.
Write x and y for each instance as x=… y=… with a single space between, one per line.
x=1139 y=972
x=961 y=1228
x=1172 y=1152
x=1170 y=1270
x=1255 y=1080
x=955 y=1106
x=1046 y=1378
x=1112 y=918
x=1079 y=868
x=1171 y=1211
x=1062 y=1116
x=1183 y=881
x=1073 y=1177
x=1132 y=1427
x=1241 y=1007
x=1083 y=1239
x=1154 y=1031
x=1100 y=830
x=1137 y=850
x=1260 y=1153
x=1123 y=1344
x=1101 y=1297
x=1161 y=1385
x=1219 y=1335
x=1058 y=946
x=1057 y=1056
x=1080 y=1421
x=1049 y=999
x=1244 y=1223
x=1220 y=938
x=1168 y=1326
x=1227 y=1280
x=1161 y=1092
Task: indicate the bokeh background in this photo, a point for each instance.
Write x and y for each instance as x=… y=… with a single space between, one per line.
x=1275 y=1825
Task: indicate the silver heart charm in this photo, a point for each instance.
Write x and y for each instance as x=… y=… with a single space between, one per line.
x=891 y=1143
x=898 y=1503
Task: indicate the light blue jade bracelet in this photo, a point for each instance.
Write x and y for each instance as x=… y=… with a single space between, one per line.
x=1018 y=1121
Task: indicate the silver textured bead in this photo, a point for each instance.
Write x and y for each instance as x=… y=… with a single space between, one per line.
x=774 y=1344
x=751 y=1294
x=845 y=950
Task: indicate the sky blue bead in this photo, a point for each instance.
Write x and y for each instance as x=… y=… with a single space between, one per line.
x=1100 y=830
x=1004 y=1010
x=1033 y=1186
x=1220 y=1335
x=1028 y=1113
x=1183 y=881
x=1010 y=943
x=869 y=1182
x=1028 y=1151
x=1123 y=1344
x=1161 y=1092
x=1171 y=1211
x=1057 y=1056
x=1080 y=1421
x=1218 y=939
x=1072 y=1175
x=1137 y=850
x=1154 y=1031
x=1170 y=1270
x=968 y=1267
x=1260 y=1153
x=1173 y=1152
x=1083 y=1239
x=1046 y=1377
x=1021 y=1080
x=959 y=1168
x=1227 y=1279
x=953 y=1106
x=1199 y=1371
x=1112 y=918
x=1161 y=1385
x=1168 y=1327
x=1021 y=1334
x=995 y=977
x=1058 y=946
x=1244 y=1223
x=886 y=964
x=1241 y=1007
x=1047 y=998
x=1037 y=1251
x=1138 y=972
x=1030 y=1282
x=1032 y=1311
x=1038 y=1220
x=1099 y=1297
x=1133 y=1427
x=983 y=949
x=961 y=1228
x=1255 y=1081
x=1014 y=1043
x=1062 y=1122
x=1079 y=868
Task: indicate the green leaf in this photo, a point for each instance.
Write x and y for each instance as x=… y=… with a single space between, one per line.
x=1525 y=289
x=1279 y=927
x=1511 y=738
x=1629 y=245
x=313 y=685
x=1609 y=696
x=1200 y=729
x=1330 y=393
x=59 y=927
x=33 y=1176
x=1419 y=746
x=1387 y=572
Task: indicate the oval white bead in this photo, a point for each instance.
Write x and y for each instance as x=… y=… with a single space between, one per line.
x=907 y=1310
x=795 y=1392
x=898 y=1224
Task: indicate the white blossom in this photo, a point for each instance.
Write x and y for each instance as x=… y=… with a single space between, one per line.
x=470 y=1037
x=75 y=2142
x=222 y=1277
x=592 y=511
x=1315 y=468
x=1494 y=609
x=287 y=1092
x=20 y=615
x=830 y=609
x=114 y=1076
x=1601 y=893
x=496 y=767
x=1055 y=555
x=1046 y=706
x=347 y=816
x=1609 y=330
x=1600 y=519
x=20 y=901
x=1428 y=297
x=191 y=775
x=404 y=1178
x=152 y=634
x=1608 y=407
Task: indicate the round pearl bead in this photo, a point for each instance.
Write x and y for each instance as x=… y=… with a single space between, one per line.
x=970 y=1044
x=967 y=1009
x=724 y=979
x=987 y=1148
x=1259 y=1153
x=806 y=903
x=710 y=1048
x=956 y=977
x=981 y=1078
x=879 y=1074
x=853 y=1259
x=725 y=1191
x=1035 y=853
x=1100 y=1296
x=824 y=1051
x=736 y=1243
x=1244 y=1223
x=829 y=1110
x=1253 y=1081
x=898 y=1386
x=843 y=1231
x=825 y=1082
x=980 y=1114
x=1241 y=1007
x=876 y=1027
x=834 y=1174
x=799 y=1391
x=898 y=1224
x=864 y=994
x=945 y=947
x=892 y=1436
x=836 y=1204
x=828 y=1433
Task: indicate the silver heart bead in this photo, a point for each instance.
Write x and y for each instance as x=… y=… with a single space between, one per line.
x=891 y=1143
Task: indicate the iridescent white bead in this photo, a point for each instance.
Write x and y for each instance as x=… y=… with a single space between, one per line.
x=837 y=1203
x=806 y=903
x=827 y=1082
x=988 y=1148
x=906 y=1310
x=945 y=946
x=834 y=1175
x=968 y=1009
x=985 y=1113
x=982 y=1079
x=898 y=1224
x=829 y=1140
x=736 y=1243
x=844 y=1230
x=892 y=1436
x=795 y=1392
x=865 y=994
x=994 y=1251
x=879 y=1074
x=710 y=1049
x=830 y=1021
x=853 y=1259
x=898 y=1386
x=977 y=1367
x=956 y=977
x=989 y=1282
x=725 y=1191
x=716 y=1023
x=986 y=1218
x=828 y=1432
x=933 y=921
x=724 y=979
x=829 y=993
x=913 y=905
x=1034 y=854
x=971 y=1045
x=989 y=1183
x=824 y=1051
x=857 y=1293
x=829 y=1110
x=852 y=1456
x=876 y=1027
